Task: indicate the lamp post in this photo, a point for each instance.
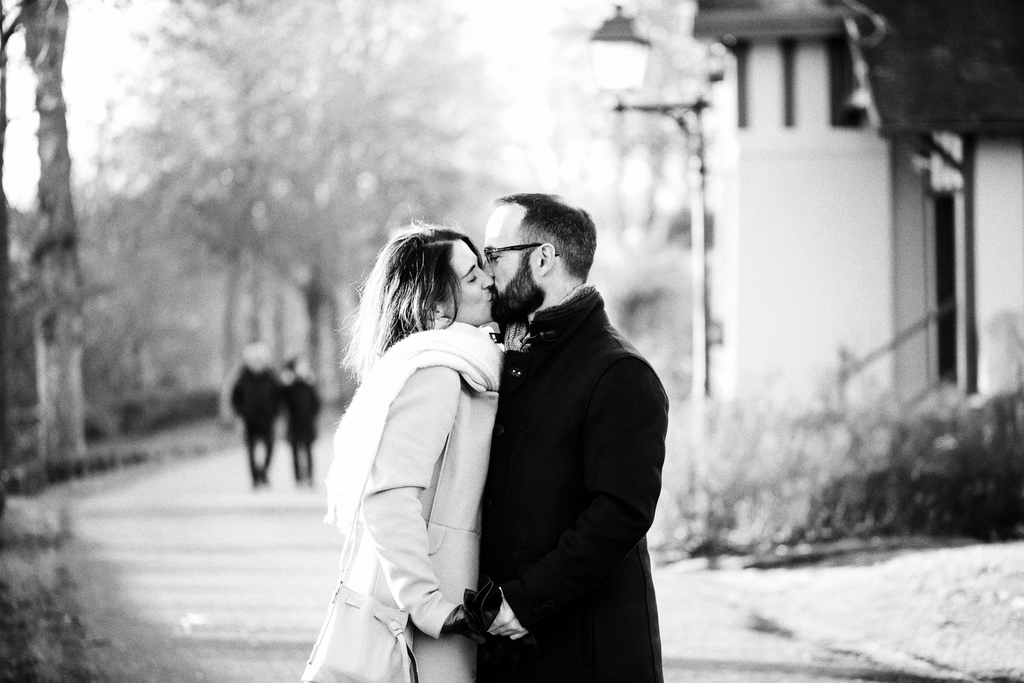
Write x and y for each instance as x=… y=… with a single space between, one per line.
x=619 y=57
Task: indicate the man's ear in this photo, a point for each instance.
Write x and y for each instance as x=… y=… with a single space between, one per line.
x=546 y=258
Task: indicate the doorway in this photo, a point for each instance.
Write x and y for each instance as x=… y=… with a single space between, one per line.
x=945 y=287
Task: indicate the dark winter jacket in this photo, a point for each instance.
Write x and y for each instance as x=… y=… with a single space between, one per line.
x=302 y=405
x=256 y=397
x=574 y=479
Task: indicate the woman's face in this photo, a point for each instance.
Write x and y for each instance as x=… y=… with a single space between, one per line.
x=476 y=286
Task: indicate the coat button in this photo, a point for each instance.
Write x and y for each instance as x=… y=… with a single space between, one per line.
x=515 y=372
x=498 y=430
x=487 y=503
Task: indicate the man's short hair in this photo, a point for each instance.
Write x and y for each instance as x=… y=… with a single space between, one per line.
x=549 y=218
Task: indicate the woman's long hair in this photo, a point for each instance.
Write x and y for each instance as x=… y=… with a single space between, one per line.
x=412 y=277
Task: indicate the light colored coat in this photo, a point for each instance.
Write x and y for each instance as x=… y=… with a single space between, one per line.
x=414 y=552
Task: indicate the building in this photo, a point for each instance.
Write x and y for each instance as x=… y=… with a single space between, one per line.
x=870 y=199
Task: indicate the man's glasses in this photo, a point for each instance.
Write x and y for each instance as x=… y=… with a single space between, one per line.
x=492 y=253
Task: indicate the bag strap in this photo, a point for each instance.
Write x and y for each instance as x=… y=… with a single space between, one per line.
x=355 y=531
x=349 y=551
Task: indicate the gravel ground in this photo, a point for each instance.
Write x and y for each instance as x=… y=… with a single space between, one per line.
x=953 y=612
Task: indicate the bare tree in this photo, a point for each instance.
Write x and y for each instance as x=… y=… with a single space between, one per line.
x=288 y=138
x=5 y=258
x=59 y=323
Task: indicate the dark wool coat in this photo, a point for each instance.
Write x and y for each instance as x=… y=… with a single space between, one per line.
x=302 y=405
x=574 y=479
x=255 y=398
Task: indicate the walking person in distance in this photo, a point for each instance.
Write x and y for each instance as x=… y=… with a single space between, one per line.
x=302 y=406
x=255 y=398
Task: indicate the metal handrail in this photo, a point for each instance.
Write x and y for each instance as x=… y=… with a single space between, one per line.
x=849 y=366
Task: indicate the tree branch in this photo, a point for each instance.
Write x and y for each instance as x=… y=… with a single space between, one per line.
x=9 y=30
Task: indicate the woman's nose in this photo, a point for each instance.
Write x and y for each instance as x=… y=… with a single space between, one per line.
x=487 y=281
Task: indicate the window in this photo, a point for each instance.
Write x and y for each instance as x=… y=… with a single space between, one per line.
x=945 y=286
x=789 y=82
x=842 y=85
x=741 y=50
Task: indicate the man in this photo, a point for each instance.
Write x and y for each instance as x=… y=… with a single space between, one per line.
x=576 y=458
x=255 y=398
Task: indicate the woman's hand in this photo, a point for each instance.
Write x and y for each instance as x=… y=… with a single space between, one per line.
x=460 y=622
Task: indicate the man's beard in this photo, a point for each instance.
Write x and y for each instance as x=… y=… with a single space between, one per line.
x=520 y=297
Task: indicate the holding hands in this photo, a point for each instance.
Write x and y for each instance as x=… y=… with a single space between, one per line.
x=488 y=620
x=506 y=623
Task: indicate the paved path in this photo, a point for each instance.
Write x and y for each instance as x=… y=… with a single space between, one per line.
x=186 y=574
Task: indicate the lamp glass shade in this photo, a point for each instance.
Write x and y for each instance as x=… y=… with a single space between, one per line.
x=619 y=65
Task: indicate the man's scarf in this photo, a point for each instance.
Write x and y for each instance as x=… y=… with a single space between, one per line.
x=517 y=333
x=461 y=347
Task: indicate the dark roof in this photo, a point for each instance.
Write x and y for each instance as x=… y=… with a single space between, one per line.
x=953 y=65
x=739 y=19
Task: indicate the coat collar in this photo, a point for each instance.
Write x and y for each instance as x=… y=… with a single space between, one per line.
x=554 y=326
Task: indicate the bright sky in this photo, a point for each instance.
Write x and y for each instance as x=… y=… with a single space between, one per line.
x=516 y=38
x=100 y=55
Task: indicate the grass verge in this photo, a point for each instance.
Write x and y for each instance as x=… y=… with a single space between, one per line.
x=42 y=638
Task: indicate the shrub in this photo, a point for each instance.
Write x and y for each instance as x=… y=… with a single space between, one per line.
x=764 y=475
x=142 y=412
x=954 y=467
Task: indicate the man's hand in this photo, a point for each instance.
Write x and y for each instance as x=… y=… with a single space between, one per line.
x=506 y=623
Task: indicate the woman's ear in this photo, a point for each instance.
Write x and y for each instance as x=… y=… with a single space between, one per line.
x=442 y=316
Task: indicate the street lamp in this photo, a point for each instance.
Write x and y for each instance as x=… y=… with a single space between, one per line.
x=619 y=54
x=619 y=57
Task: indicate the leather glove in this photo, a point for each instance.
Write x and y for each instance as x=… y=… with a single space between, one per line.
x=461 y=622
x=497 y=652
x=483 y=605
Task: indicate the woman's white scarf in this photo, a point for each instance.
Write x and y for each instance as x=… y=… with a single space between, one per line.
x=464 y=348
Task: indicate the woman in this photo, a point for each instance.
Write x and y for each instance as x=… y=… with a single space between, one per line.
x=420 y=422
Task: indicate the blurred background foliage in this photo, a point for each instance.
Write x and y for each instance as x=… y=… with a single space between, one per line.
x=260 y=153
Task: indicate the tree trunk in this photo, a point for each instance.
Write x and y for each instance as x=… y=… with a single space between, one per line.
x=58 y=329
x=5 y=273
x=255 y=321
x=314 y=298
x=280 y=322
x=229 y=349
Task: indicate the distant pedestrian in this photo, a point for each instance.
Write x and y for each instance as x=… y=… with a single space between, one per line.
x=255 y=398
x=302 y=405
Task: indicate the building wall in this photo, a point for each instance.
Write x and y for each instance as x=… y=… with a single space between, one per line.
x=812 y=88
x=911 y=275
x=723 y=201
x=999 y=259
x=814 y=247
